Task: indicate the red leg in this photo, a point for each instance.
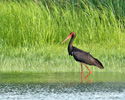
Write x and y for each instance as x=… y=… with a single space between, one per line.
x=89 y=72
x=81 y=73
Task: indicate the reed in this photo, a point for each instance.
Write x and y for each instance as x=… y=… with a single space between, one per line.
x=30 y=24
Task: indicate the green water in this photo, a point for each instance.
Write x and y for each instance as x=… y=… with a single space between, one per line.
x=59 y=77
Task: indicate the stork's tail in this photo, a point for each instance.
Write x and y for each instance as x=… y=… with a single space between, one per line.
x=98 y=64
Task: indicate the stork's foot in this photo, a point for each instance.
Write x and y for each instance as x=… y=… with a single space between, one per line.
x=90 y=72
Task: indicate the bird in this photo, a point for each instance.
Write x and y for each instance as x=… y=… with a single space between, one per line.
x=81 y=56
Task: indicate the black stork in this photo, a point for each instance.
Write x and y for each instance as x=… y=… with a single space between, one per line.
x=82 y=56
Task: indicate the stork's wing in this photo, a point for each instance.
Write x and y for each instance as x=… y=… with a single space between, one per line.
x=85 y=57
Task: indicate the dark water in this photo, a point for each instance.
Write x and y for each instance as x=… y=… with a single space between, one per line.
x=110 y=88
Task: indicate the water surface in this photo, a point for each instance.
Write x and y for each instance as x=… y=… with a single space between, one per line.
x=62 y=86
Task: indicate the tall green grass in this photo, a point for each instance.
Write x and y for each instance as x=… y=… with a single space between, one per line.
x=31 y=35
x=27 y=23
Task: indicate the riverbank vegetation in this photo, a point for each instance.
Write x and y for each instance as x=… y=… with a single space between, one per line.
x=31 y=34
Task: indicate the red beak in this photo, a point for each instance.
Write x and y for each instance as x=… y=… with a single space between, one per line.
x=67 y=38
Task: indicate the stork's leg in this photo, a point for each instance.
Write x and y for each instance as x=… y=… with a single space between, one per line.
x=81 y=73
x=89 y=72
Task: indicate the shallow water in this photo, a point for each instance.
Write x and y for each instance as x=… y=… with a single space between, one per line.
x=62 y=86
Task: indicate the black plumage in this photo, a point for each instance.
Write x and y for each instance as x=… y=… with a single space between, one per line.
x=82 y=56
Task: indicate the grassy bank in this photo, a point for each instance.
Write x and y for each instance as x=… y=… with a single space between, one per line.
x=55 y=58
x=31 y=36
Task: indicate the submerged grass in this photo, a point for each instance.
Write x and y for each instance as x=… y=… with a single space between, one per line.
x=31 y=36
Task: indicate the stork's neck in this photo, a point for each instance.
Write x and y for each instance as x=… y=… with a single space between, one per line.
x=71 y=41
x=70 y=45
